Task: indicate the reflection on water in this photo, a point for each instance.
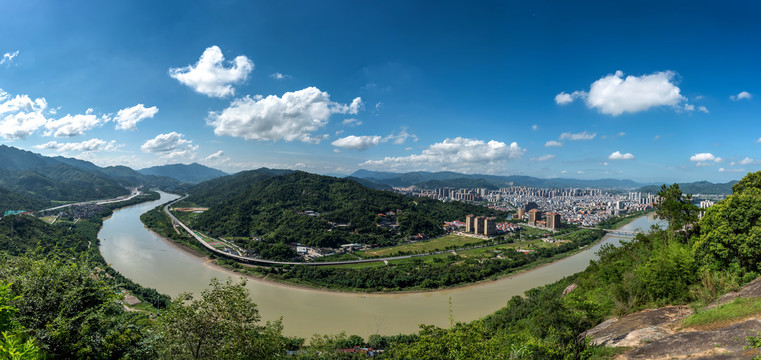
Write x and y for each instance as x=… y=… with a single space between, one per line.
x=151 y=261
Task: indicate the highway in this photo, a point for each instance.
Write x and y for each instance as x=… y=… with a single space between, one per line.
x=133 y=193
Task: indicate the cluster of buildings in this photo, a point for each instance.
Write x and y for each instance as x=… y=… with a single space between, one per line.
x=536 y=218
x=82 y=211
x=481 y=225
x=586 y=207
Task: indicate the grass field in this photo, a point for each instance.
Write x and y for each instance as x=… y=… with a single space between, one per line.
x=421 y=247
x=48 y=219
x=724 y=314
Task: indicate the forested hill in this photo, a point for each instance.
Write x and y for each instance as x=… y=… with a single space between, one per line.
x=222 y=188
x=326 y=211
x=190 y=173
x=13 y=201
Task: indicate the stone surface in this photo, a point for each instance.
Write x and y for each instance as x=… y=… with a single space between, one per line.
x=724 y=343
x=634 y=329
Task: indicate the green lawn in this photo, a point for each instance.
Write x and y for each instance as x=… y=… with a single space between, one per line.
x=421 y=247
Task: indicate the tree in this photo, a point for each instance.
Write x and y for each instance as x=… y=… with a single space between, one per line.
x=675 y=207
x=730 y=231
x=751 y=180
x=222 y=324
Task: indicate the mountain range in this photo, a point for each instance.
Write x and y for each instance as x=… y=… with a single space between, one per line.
x=432 y=180
x=192 y=173
x=452 y=179
x=30 y=181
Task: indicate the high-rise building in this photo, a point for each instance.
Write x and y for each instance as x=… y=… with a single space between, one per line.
x=479 y=227
x=469 y=223
x=534 y=215
x=553 y=220
x=490 y=226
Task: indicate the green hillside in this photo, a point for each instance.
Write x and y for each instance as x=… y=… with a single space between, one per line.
x=14 y=201
x=227 y=187
x=342 y=211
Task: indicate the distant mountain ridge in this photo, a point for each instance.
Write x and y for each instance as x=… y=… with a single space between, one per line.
x=189 y=173
x=426 y=179
x=35 y=179
x=698 y=187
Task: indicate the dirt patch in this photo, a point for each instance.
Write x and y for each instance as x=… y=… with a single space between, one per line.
x=638 y=328
x=725 y=343
x=131 y=300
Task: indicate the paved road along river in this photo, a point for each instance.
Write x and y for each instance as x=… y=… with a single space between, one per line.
x=155 y=262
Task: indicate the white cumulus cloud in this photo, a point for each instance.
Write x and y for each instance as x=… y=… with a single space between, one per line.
x=619 y=156
x=615 y=95
x=702 y=157
x=742 y=95
x=564 y=98
x=127 y=118
x=20 y=116
x=578 y=136
x=360 y=143
x=749 y=161
x=171 y=145
x=294 y=116
x=453 y=154
x=552 y=143
x=210 y=76
x=87 y=145
x=72 y=125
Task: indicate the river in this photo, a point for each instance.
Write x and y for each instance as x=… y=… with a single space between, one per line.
x=146 y=258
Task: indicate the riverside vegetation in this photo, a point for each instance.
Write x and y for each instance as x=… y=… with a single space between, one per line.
x=63 y=307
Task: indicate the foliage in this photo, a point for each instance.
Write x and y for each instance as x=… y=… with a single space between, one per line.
x=222 y=324
x=14 y=344
x=730 y=231
x=675 y=207
x=70 y=310
x=751 y=180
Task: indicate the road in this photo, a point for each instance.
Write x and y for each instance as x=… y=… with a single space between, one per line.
x=134 y=193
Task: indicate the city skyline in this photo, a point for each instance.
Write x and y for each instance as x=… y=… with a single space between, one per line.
x=647 y=91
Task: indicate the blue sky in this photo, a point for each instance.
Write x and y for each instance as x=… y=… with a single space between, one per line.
x=649 y=91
